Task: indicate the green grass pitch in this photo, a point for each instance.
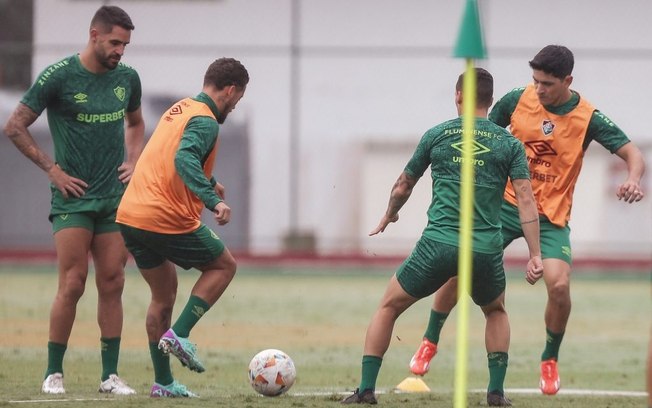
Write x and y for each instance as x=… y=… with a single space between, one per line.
x=319 y=317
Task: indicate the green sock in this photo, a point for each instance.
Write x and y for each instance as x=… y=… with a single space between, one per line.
x=435 y=324
x=110 y=349
x=370 y=370
x=56 y=352
x=194 y=310
x=161 y=363
x=497 y=363
x=553 y=342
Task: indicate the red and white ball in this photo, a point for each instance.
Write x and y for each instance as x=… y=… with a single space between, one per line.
x=271 y=372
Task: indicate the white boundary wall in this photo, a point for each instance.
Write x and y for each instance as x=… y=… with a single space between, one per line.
x=371 y=70
x=601 y=226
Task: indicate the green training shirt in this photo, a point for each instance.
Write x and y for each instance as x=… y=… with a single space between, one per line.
x=497 y=156
x=86 y=114
x=601 y=128
x=199 y=137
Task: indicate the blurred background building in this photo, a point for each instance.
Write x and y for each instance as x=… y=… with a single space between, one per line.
x=341 y=92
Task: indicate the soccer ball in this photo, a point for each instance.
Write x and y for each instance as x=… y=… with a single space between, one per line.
x=271 y=372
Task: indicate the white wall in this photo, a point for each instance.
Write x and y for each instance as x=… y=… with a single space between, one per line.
x=373 y=70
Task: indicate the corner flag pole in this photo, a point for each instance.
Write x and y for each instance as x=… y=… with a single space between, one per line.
x=469 y=45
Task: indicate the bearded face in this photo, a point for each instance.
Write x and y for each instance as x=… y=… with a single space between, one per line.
x=110 y=46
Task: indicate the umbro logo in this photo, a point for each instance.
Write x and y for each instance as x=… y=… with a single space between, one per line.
x=541 y=148
x=175 y=110
x=476 y=149
x=198 y=311
x=81 y=98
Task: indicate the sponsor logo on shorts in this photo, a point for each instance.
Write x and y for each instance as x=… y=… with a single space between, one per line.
x=214 y=235
x=565 y=249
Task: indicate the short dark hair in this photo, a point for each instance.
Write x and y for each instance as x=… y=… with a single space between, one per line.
x=484 y=87
x=225 y=72
x=555 y=60
x=108 y=16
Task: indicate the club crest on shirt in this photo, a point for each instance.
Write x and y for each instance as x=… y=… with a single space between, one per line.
x=547 y=127
x=120 y=92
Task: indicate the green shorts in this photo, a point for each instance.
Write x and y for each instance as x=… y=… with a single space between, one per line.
x=96 y=215
x=151 y=249
x=555 y=240
x=432 y=263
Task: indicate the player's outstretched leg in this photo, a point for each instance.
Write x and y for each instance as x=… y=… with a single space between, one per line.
x=420 y=362
x=182 y=349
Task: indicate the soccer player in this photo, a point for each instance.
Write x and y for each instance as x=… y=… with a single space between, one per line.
x=498 y=156
x=159 y=217
x=89 y=97
x=556 y=126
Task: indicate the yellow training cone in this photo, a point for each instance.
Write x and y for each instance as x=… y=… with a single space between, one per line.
x=412 y=384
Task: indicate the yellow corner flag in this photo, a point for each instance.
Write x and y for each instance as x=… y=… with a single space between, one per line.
x=469 y=45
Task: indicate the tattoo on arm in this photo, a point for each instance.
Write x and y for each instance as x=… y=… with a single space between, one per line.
x=400 y=193
x=16 y=130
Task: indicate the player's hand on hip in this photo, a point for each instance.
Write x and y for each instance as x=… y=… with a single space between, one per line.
x=125 y=171
x=222 y=213
x=630 y=192
x=68 y=185
x=534 y=270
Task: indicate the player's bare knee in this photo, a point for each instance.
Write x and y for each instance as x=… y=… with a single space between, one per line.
x=111 y=285
x=228 y=265
x=233 y=267
x=559 y=292
x=494 y=308
x=72 y=289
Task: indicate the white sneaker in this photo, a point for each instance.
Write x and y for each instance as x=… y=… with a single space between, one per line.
x=53 y=384
x=114 y=385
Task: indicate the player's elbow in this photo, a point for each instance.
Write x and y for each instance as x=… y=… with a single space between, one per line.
x=525 y=198
x=12 y=131
x=7 y=128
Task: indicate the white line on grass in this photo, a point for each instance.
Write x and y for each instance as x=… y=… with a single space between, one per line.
x=38 y=401
x=530 y=391
x=566 y=391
